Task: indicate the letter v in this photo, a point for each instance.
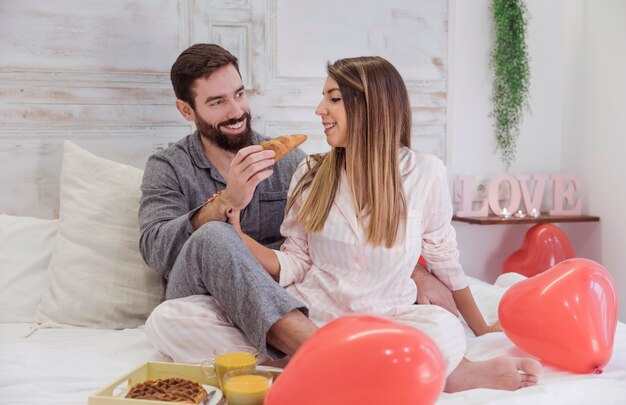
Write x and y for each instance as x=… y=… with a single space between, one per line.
x=535 y=200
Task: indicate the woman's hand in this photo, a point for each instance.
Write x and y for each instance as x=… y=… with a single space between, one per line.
x=496 y=327
x=232 y=217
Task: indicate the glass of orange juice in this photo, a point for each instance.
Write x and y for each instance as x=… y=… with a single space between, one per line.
x=246 y=387
x=229 y=359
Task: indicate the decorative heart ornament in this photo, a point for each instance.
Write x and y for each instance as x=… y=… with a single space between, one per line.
x=365 y=360
x=566 y=316
x=544 y=246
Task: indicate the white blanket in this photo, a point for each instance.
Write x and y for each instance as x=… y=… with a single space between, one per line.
x=66 y=366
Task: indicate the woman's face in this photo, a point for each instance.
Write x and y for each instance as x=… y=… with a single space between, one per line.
x=333 y=113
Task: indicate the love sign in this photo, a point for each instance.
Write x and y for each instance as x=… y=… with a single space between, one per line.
x=525 y=189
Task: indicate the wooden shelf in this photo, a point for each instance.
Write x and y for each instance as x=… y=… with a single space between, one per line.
x=494 y=220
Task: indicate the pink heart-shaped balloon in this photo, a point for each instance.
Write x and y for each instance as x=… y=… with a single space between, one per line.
x=544 y=246
x=365 y=360
x=566 y=316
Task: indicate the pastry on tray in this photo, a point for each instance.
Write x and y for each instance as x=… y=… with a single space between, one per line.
x=169 y=390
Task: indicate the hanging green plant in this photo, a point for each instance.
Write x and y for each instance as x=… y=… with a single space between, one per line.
x=509 y=60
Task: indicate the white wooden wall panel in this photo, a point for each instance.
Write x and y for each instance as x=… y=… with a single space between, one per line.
x=92 y=36
x=97 y=73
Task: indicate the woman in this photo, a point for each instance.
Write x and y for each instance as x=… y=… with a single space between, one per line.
x=359 y=216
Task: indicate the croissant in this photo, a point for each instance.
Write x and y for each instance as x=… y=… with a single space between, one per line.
x=283 y=144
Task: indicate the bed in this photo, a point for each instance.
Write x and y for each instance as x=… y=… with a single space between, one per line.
x=75 y=294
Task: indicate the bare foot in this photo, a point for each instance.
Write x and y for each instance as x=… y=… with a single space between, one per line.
x=280 y=363
x=501 y=373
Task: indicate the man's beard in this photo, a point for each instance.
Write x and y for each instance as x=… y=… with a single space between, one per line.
x=227 y=142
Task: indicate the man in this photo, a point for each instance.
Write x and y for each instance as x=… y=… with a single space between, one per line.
x=187 y=189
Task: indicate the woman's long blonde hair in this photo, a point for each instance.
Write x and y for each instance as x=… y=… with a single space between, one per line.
x=379 y=122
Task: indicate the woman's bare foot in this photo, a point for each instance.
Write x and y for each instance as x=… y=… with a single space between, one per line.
x=501 y=373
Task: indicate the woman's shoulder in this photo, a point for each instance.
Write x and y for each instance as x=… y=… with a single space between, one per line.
x=308 y=164
x=311 y=161
x=410 y=161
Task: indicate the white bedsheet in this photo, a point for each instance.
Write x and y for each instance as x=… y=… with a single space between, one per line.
x=66 y=366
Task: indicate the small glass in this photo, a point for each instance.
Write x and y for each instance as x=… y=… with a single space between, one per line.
x=247 y=387
x=229 y=359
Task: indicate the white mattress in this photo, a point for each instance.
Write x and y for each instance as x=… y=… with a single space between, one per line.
x=66 y=366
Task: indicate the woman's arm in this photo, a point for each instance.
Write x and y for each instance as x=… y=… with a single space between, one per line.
x=439 y=246
x=469 y=310
x=289 y=264
x=265 y=256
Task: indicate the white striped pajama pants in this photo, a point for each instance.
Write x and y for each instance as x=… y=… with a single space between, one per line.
x=189 y=329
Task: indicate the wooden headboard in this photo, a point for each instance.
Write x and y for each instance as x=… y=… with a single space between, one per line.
x=98 y=74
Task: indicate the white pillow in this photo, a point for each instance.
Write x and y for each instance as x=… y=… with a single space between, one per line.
x=97 y=276
x=25 y=249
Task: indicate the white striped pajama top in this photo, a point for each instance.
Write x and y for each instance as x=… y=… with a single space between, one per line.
x=335 y=272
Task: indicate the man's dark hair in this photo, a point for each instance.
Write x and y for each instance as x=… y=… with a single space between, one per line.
x=199 y=60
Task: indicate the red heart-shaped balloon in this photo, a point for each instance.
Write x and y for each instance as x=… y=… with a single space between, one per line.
x=365 y=360
x=544 y=246
x=566 y=316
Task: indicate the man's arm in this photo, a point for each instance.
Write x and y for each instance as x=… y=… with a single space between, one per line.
x=213 y=210
x=250 y=166
x=163 y=215
x=165 y=220
x=432 y=291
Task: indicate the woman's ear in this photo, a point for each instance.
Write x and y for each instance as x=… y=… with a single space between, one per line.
x=185 y=110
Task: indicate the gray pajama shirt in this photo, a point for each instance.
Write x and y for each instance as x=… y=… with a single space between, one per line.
x=214 y=260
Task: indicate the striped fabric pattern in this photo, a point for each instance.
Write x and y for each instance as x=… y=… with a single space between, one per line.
x=335 y=272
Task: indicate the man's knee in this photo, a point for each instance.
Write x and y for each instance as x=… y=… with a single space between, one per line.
x=216 y=261
x=215 y=234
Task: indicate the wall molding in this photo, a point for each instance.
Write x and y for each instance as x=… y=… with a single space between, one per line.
x=92 y=129
x=68 y=78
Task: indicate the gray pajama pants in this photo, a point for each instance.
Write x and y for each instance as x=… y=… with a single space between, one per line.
x=215 y=261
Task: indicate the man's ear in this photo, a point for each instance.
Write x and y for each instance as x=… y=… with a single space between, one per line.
x=185 y=110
